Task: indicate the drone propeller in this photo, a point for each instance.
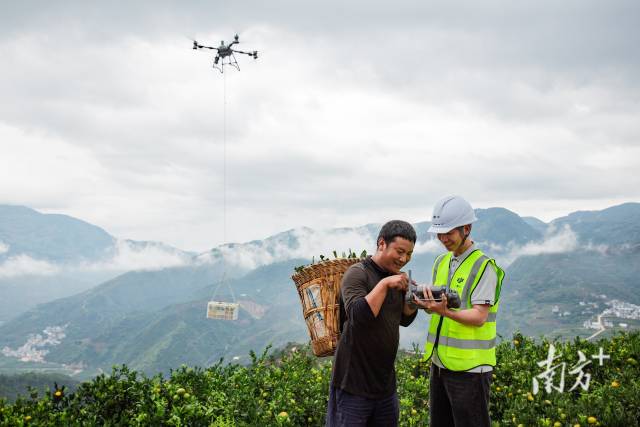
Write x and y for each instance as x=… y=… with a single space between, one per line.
x=244 y=32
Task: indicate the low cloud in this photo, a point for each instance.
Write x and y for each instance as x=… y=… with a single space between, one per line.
x=312 y=242
x=564 y=240
x=556 y=241
x=4 y=248
x=127 y=256
x=428 y=246
x=130 y=255
x=601 y=249
x=24 y=265
x=298 y=243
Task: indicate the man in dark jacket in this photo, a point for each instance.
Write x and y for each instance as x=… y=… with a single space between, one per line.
x=363 y=382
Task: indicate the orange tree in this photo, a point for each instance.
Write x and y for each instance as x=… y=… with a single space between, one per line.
x=291 y=388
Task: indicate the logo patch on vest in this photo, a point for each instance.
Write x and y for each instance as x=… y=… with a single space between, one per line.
x=460 y=280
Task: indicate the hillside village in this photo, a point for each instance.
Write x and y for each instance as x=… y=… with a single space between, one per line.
x=616 y=310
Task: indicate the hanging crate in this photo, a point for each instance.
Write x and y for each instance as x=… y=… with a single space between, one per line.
x=319 y=291
x=222 y=310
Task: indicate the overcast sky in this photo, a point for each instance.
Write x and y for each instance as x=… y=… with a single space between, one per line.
x=355 y=112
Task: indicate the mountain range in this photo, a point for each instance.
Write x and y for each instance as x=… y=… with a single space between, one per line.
x=48 y=256
x=153 y=318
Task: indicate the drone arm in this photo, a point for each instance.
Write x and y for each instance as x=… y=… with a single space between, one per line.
x=199 y=46
x=246 y=53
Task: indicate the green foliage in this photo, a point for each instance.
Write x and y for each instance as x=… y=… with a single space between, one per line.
x=612 y=398
x=290 y=387
x=11 y=386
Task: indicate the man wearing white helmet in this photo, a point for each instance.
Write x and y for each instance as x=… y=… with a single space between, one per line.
x=461 y=342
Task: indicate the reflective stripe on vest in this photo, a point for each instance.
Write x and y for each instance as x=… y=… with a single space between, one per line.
x=435 y=267
x=462 y=347
x=464 y=344
x=465 y=298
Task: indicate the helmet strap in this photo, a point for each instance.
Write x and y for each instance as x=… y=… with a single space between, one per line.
x=464 y=236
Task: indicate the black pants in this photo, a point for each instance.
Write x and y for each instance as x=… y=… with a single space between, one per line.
x=459 y=399
x=348 y=410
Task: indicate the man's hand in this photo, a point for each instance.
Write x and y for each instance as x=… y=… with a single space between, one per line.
x=474 y=316
x=397 y=281
x=438 y=307
x=376 y=297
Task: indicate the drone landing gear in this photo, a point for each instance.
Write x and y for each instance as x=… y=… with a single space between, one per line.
x=227 y=60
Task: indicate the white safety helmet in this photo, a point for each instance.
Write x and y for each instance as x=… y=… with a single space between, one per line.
x=451 y=212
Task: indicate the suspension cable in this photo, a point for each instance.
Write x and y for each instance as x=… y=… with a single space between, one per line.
x=224 y=190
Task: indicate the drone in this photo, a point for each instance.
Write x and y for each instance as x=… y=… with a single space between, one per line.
x=225 y=55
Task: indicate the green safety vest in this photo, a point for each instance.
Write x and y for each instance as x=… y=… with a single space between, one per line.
x=461 y=347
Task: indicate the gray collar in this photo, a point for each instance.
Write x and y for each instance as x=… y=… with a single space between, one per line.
x=460 y=259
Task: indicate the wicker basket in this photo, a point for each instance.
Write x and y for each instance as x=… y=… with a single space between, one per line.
x=319 y=291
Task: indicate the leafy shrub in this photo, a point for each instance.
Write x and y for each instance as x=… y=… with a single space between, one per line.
x=292 y=389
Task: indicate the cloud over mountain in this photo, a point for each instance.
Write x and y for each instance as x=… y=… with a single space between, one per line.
x=24 y=265
x=301 y=243
x=134 y=256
